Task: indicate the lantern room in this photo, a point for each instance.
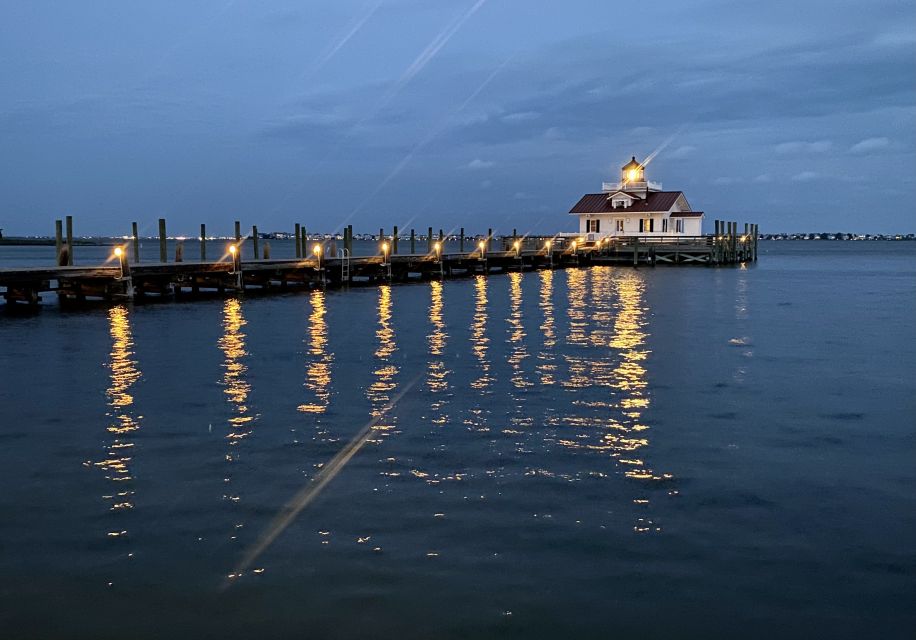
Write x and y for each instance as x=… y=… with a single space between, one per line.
x=632 y=172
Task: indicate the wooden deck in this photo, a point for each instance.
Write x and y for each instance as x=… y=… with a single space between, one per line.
x=121 y=280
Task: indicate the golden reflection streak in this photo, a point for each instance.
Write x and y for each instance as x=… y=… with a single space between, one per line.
x=576 y=311
x=436 y=371
x=547 y=369
x=235 y=385
x=517 y=331
x=624 y=432
x=379 y=392
x=318 y=375
x=630 y=378
x=124 y=373
x=479 y=340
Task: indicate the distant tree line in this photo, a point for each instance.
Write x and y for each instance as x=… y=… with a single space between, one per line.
x=837 y=236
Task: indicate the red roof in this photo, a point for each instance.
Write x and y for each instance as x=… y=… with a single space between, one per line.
x=687 y=214
x=654 y=201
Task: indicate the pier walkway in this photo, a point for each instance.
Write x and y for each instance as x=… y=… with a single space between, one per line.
x=120 y=279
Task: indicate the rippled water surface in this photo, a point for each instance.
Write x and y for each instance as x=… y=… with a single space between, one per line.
x=582 y=453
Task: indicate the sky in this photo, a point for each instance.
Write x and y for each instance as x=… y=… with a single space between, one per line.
x=799 y=116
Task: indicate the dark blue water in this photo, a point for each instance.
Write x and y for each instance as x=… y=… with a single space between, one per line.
x=601 y=452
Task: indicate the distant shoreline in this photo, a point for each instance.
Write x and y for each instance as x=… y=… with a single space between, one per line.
x=49 y=242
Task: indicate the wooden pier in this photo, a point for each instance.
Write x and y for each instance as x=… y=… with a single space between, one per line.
x=318 y=265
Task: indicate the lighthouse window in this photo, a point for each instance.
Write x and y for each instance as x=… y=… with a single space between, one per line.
x=620 y=225
x=664 y=225
x=680 y=226
x=646 y=225
x=593 y=226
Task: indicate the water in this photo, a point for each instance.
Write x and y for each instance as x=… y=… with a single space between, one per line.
x=586 y=453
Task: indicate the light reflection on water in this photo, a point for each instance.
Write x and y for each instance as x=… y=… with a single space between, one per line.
x=519 y=352
x=236 y=389
x=320 y=359
x=547 y=359
x=608 y=322
x=436 y=370
x=383 y=387
x=122 y=423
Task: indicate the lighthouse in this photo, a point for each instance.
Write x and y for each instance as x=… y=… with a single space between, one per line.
x=635 y=206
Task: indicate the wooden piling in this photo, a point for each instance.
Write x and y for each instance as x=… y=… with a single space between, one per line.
x=636 y=251
x=756 y=237
x=254 y=241
x=461 y=241
x=413 y=242
x=203 y=242
x=179 y=251
x=69 y=240
x=163 y=256
x=136 y=242
x=267 y=250
x=305 y=242
x=441 y=238
x=238 y=239
x=298 y=234
x=489 y=238
x=429 y=240
x=394 y=240
x=58 y=240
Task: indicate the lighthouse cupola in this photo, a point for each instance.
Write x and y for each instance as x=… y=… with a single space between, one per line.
x=632 y=172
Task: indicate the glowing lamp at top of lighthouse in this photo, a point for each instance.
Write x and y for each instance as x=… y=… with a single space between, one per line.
x=632 y=171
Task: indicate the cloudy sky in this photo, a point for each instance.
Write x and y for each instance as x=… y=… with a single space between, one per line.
x=798 y=115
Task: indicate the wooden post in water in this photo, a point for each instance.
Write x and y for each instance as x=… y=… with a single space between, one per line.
x=238 y=240
x=203 y=242
x=254 y=241
x=58 y=240
x=745 y=242
x=179 y=251
x=69 y=240
x=756 y=236
x=136 y=234
x=163 y=255
x=489 y=238
x=267 y=251
x=734 y=241
x=441 y=238
x=717 y=243
x=305 y=243
x=429 y=240
x=350 y=236
x=298 y=240
x=394 y=240
x=461 y=241
x=635 y=251
x=413 y=241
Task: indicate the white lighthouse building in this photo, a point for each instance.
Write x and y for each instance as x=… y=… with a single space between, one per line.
x=635 y=206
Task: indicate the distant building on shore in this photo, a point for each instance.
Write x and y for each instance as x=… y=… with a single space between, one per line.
x=635 y=206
